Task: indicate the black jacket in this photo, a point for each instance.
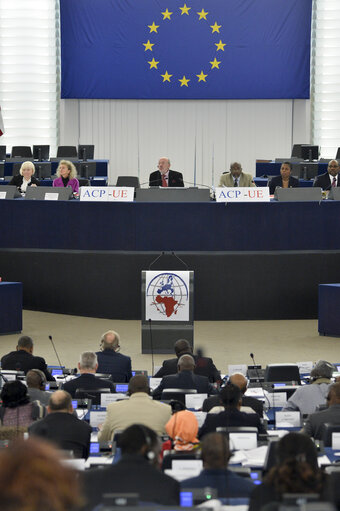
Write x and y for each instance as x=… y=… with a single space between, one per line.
x=116 y=364
x=230 y=418
x=175 y=179
x=17 y=181
x=277 y=181
x=87 y=381
x=184 y=380
x=324 y=181
x=204 y=367
x=21 y=360
x=252 y=402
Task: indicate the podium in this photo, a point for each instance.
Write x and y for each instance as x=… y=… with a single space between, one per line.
x=167 y=309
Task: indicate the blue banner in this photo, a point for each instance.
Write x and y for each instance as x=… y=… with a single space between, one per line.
x=185 y=49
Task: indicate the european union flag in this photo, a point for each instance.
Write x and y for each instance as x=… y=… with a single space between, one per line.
x=185 y=49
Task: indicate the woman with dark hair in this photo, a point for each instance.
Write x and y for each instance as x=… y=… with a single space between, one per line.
x=296 y=471
x=17 y=409
x=33 y=478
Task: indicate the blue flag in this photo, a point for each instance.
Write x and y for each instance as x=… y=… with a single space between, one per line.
x=185 y=49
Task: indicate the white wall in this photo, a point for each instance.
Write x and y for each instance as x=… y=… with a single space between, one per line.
x=200 y=137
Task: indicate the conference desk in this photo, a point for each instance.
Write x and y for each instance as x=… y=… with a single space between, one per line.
x=251 y=261
x=101 y=166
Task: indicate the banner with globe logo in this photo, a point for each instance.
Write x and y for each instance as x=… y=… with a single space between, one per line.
x=167 y=295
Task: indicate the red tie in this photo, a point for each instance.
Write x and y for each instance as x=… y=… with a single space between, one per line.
x=334 y=181
x=164 y=181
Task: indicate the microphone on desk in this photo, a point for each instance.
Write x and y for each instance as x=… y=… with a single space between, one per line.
x=259 y=380
x=50 y=338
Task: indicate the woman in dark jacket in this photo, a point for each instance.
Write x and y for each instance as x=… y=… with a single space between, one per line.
x=25 y=177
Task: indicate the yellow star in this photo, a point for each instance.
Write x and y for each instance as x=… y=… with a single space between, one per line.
x=215 y=63
x=153 y=27
x=215 y=27
x=153 y=63
x=185 y=9
x=166 y=77
x=202 y=15
x=166 y=15
x=148 y=45
x=202 y=77
x=220 y=46
x=184 y=81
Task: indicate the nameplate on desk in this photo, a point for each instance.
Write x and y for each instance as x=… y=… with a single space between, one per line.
x=195 y=401
x=242 y=194
x=106 y=398
x=287 y=419
x=51 y=196
x=305 y=367
x=106 y=194
x=237 y=368
x=276 y=399
x=97 y=418
x=154 y=382
x=240 y=441
x=187 y=465
x=335 y=440
x=3 y=195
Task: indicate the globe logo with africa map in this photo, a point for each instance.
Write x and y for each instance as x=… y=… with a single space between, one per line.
x=169 y=292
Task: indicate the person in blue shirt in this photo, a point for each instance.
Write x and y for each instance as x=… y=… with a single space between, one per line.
x=112 y=362
x=215 y=474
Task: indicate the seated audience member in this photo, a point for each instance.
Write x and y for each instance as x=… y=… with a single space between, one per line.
x=36 y=381
x=137 y=471
x=236 y=177
x=63 y=428
x=16 y=408
x=67 y=176
x=33 y=478
x=231 y=398
x=249 y=404
x=204 y=366
x=25 y=177
x=330 y=178
x=139 y=406
x=307 y=398
x=284 y=180
x=23 y=359
x=215 y=474
x=164 y=176
x=182 y=428
x=112 y=362
x=314 y=423
x=185 y=379
x=87 y=380
x=296 y=471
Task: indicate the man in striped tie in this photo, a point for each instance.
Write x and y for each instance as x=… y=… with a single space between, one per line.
x=330 y=178
x=165 y=177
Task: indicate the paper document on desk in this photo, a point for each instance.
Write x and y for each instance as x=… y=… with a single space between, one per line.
x=255 y=457
x=254 y=392
x=323 y=460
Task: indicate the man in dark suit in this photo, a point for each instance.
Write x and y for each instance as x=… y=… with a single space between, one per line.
x=23 y=359
x=247 y=401
x=164 y=176
x=185 y=379
x=87 y=380
x=231 y=398
x=330 y=178
x=63 y=428
x=315 y=422
x=112 y=362
x=204 y=366
x=284 y=180
x=137 y=471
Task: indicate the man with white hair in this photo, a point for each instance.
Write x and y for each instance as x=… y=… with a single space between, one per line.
x=87 y=380
x=165 y=177
x=112 y=362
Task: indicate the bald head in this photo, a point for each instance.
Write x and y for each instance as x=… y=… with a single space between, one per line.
x=240 y=381
x=110 y=340
x=186 y=363
x=60 y=401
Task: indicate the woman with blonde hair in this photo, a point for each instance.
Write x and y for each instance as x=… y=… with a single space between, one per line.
x=25 y=177
x=66 y=176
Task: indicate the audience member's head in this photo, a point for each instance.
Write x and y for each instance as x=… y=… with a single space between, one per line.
x=71 y=169
x=296 y=469
x=182 y=428
x=36 y=379
x=141 y=440
x=13 y=394
x=333 y=397
x=333 y=167
x=231 y=396
x=110 y=341
x=25 y=343
x=88 y=362
x=60 y=401
x=32 y=478
x=286 y=170
x=235 y=169
x=322 y=369
x=139 y=383
x=215 y=451
x=182 y=346
x=186 y=363
x=240 y=381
